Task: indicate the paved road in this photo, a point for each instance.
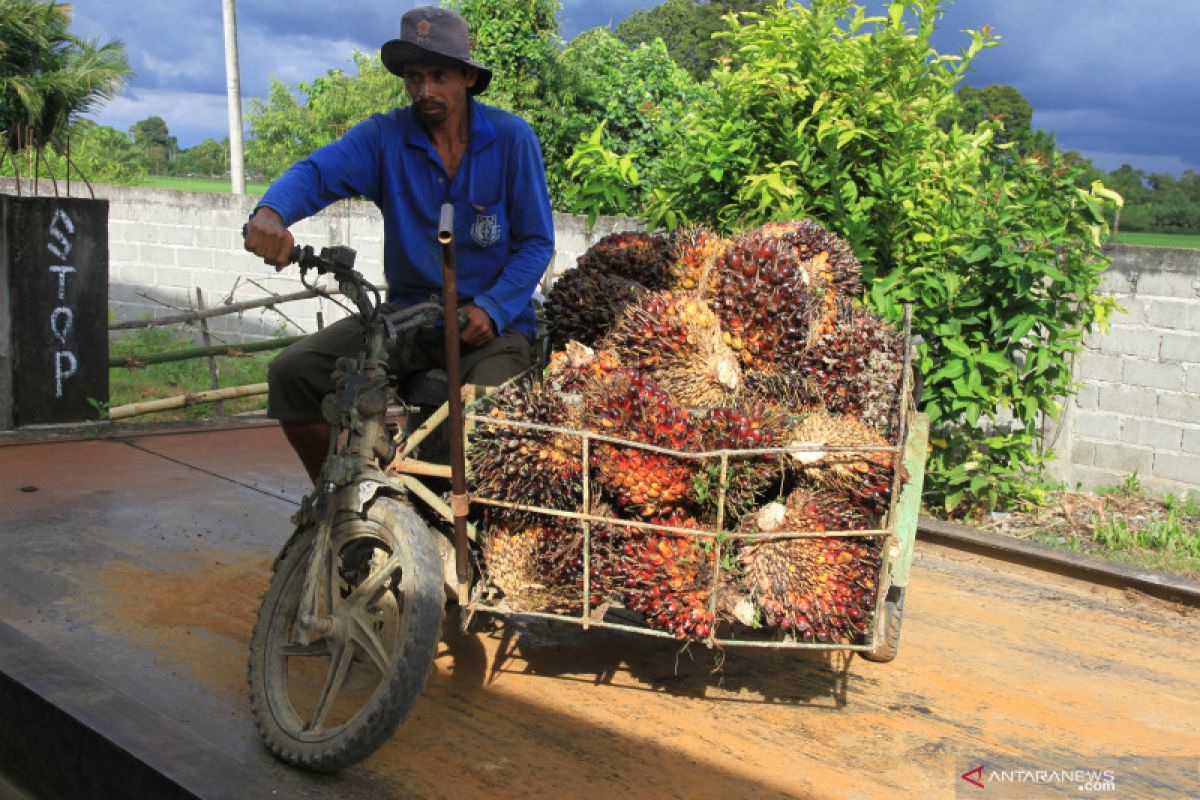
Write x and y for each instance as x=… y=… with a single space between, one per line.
x=143 y=559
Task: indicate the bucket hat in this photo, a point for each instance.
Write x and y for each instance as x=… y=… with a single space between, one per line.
x=431 y=33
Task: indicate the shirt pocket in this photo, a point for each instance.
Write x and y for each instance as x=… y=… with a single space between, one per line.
x=482 y=226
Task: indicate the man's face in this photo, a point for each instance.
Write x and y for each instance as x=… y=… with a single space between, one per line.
x=438 y=90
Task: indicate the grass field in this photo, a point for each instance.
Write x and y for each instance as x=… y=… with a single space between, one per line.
x=198 y=184
x=157 y=381
x=1158 y=239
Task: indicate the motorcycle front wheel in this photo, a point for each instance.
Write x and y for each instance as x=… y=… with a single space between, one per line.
x=332 y=702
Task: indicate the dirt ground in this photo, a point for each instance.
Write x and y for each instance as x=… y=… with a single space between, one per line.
x=145 y=561
x=997 y=666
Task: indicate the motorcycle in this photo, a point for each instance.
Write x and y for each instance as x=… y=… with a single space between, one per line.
x=349 y=626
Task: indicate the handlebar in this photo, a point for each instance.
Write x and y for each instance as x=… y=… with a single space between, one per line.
x=339 y=261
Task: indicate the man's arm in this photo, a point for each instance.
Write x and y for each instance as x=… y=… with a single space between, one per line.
x=347 y=167
x=531 y=233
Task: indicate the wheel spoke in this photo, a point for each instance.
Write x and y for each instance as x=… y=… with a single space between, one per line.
x=318 y=648
x=369 y=589
x=369 y=643
x=333 y=588
x=339 y=667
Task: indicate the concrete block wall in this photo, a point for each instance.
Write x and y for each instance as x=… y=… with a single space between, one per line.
x=1138 y=406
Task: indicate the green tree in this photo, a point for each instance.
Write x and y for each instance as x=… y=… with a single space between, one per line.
x=286 y=127
x=209 y=158
x=995 y=103
x=154 y=139
x=637 y=94
x=48 y=75
x=99 y=154
x=686 y=27
x=827 y=113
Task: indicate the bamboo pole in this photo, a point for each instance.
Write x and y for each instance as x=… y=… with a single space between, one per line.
x=184 y=400
x=217 y=311
x=199 y=352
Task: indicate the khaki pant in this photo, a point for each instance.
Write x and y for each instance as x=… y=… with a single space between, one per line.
x=301 y=375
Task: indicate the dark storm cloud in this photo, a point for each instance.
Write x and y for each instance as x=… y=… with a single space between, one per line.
x=1113 y=79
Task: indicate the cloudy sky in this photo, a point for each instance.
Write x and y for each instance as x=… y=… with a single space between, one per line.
x=1117 y=80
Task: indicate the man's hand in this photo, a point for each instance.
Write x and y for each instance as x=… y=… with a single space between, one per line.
x=480 y=329
x=268 y=238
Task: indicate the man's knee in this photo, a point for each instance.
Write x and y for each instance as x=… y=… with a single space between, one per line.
x=500 y=359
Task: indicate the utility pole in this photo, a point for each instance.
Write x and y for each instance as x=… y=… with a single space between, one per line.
x=233 y=93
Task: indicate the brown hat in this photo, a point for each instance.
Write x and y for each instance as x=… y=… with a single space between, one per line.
x=431 y=33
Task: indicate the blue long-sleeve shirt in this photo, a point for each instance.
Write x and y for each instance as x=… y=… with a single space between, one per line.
x=503 y=226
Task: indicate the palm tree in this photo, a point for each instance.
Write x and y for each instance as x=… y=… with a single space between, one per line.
x=47 y=75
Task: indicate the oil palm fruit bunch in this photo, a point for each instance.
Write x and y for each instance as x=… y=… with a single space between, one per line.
x=857 y=368
x=676 y=339
x=641 y=257
x=529 y=558
x=863 y=477
x=818 y=589
x=667 y=576
x=528 y=466
x=583 y=304
x=694 y=251
x=808 y=241
x=631 y=406
x=750 y=427
x=768 y=301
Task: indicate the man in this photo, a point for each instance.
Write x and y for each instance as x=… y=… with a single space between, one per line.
x=444 y=147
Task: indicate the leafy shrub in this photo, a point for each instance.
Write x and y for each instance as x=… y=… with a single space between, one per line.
x=827 y=113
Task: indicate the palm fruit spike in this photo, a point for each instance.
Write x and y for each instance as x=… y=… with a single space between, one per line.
x=792 y=391
x=641 y=257
x=857 y=368
x=666 y=577
x=694 y=254
x=768 y=301
x=815 y=244
x=865 y=478
x=676 y=340
x=583 y=304
x=628 y=405
x=817 y=589
x=754 y=426
x=527 y=466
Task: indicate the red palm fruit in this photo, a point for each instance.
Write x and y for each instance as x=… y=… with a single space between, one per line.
x=694 y=252
x=754 y=425
x=857 y=369
x=583 y=304
x=865 y=478
x=819 y=589
x=768 y=300
x=813 y=243
x=641 y=257
x=522 y=465
x=676 y=340
x=666 y=577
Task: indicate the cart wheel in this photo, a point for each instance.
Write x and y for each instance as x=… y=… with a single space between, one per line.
x=889 y=634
